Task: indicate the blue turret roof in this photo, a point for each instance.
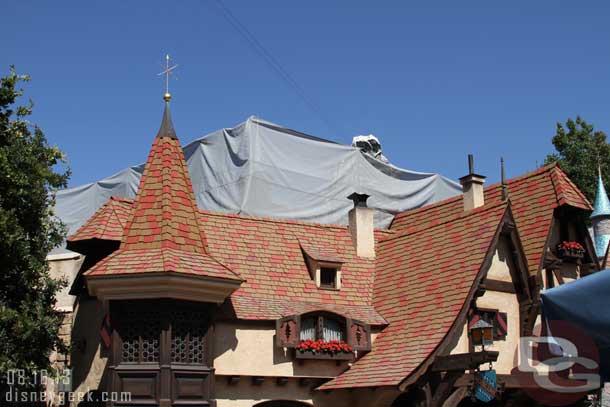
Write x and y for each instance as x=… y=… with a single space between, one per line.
x=602 y=204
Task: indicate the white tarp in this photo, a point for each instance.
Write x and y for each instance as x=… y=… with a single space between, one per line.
x=262 y=169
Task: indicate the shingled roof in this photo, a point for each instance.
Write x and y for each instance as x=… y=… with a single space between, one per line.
x=424 y=280
x=268 y=254
x=161 y=232
x=107 y=223
x=534 y=196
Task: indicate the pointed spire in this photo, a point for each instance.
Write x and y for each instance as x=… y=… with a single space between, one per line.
x=602 y=203
x=167 y=126
x=165 y=210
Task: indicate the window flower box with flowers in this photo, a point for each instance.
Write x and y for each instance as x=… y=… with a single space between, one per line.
x=570 y=250
x=337 y=350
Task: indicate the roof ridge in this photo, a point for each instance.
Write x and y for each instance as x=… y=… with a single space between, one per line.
x=459 y=216
x=489 y=187
x=566 y=177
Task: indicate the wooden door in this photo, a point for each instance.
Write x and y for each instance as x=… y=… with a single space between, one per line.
x=161 y=354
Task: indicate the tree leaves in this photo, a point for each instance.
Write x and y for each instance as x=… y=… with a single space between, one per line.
x=579 y=150
x=28 y=231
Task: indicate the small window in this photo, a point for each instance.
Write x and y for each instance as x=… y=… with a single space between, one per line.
x=328 y=277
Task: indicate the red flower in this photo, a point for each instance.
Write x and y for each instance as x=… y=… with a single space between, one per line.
x=330 y=347
x=570 y=246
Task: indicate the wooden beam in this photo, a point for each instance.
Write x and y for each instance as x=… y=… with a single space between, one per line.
x=445 y=388
x=304 y=381
x=558 y=275
x=500 y=286
x=463 y=361
x=257 y=380
x=281 y=381
x=232 y=380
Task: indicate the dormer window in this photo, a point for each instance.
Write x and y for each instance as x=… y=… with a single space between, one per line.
x=324 y=266
x=328 y=277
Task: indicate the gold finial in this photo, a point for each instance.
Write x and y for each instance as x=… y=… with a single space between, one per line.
x=167 y=72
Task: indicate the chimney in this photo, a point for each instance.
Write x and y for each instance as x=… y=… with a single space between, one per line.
x=472 y=186
x=361 y=226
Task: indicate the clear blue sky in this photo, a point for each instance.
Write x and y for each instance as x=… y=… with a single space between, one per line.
x=433 y=80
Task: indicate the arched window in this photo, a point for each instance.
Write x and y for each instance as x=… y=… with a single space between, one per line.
x=293 y=330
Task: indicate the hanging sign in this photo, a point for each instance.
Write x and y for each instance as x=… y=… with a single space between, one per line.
x=485 y=385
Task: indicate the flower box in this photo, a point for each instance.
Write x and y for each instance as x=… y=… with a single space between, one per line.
x=326 y=356
x=333 y=350
x=570 y=250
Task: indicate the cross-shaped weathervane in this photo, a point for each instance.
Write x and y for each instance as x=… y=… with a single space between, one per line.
x=167 y=72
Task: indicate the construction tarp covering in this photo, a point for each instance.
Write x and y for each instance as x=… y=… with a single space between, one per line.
x=585 y=303
x=262 y=169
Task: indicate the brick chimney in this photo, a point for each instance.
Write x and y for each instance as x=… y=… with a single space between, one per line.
x=361 y=226
x=472 y=186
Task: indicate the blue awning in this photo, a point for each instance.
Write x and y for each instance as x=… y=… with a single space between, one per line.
x=585 y=303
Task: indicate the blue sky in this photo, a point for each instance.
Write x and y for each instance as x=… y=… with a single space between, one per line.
x=433 y=80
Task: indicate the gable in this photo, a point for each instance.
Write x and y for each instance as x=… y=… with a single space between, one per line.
x=533 y=196
x=425 y=281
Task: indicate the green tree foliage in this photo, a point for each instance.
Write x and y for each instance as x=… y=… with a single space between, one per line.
x=579 y=148
x=28 y=231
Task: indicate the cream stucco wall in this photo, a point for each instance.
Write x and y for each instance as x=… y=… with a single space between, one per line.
x=246 y=394
x=65 y=267
x=243 y=348
x=88 y=358
x=503 y=302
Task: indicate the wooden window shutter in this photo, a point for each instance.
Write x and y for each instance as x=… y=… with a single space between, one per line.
x=288 y=331
x=358 y=335
x=501 y=324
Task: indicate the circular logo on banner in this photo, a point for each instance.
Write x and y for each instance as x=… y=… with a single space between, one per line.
x=558 y=365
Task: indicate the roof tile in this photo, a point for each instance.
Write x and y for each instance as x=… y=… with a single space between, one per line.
x=419 y=298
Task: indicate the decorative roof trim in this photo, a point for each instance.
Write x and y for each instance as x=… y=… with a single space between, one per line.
x=161 y=285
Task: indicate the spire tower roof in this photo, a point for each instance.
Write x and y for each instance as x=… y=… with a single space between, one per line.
x=602 y=203
x=163 y=239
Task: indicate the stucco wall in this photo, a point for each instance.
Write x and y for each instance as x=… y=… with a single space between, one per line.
x=88 y=357
x=65 y=266
x=503 y=302
x=243 y=348
x=246 y=394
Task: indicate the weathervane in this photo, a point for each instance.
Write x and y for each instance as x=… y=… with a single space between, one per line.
x=167 y=71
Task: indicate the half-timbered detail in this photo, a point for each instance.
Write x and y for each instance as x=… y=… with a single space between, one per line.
x=202 y=308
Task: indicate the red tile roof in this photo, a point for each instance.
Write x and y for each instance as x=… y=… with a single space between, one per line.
x=162 y=231
x=165 y=211
x=267 y=254
x=320 y=253
x=533 y=197
x=107 y=223
x=424 y=278
x=160 y=260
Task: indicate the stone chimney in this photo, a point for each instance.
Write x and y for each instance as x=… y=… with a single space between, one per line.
x=472 y=186
x=361 y=226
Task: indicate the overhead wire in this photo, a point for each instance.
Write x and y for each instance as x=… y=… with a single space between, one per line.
x=274 y=64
